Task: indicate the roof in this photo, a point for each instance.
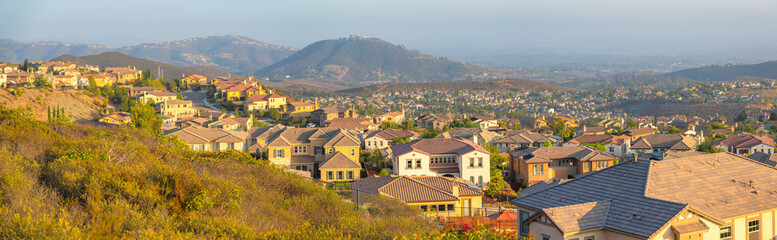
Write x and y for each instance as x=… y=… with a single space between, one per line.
x=547 y=154
x=416 y=188
x=579 y=217
x=339 y=161
x=176 y=101
x=645 y=195
x=542 y=185
x=438 y=146
x=352 y=123
x=389 y=134
x=765 y=158
x=639 y=131
x=200 y=135
x=483 y=135
x=280 y=136
x=603 y=139
x=690 y=227
x=524 y=137
x=668 y=141
x=504 y=215
x=745 y=140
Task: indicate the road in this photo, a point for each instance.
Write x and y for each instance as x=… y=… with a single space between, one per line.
x=198 y=99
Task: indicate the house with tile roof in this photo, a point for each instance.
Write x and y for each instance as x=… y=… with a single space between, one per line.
x=664 y=142
x=395 y=117
x=433 y=121
x=481 y=136
x=117 y=118
x=212 y=139
x=340 y=168
x=529 y=166
x=354 y=124
x=433 y=195
x=713 y=196
x=636 y=133
x=232 y=123
x=139 y=91
x=746 y=143
x=177 y=108
x=522 y=139
x=442 y=157
x=484 y=121
x=618 y=145
x=298 y=109
x=321 y=115
x=305 y=148
x=156 y=97
x=3 y=80
x=383 y=139
x=194 y=79
x=124 y=75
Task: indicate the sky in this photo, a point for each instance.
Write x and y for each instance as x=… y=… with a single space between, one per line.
x=440 y=27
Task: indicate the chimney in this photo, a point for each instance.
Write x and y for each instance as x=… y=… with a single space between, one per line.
x=455 y=189
x=635 y=157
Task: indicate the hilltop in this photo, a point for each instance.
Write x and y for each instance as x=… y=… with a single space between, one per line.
x=115 y=59
x=232 y=53
x=490 y=85
x=718 y=73
x=360 y=61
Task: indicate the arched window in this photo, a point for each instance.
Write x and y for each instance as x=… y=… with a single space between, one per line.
x=472 y=179
x=480 y=180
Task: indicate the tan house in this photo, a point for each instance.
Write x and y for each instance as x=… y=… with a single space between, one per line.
x=355 y=124
x=433 y=121
x=383 y=139
x=321 y=115
x=521 y=139
x=396 y=117
x=481 y=136
x=665 y=142
x=713 y=196
x=139 y=91
x=3 y=79
x=306 y=148
x=636 y=133
x=193 y=79
x=532 y=165
x=433 y=195
x=618 y=145
x=264 y=102
x=443 y=157
x=19 y=78
x=124 y=75
x=156 y=97
x=6 y=68
x=243 y=123
x=746 y=143
x=117 y=118
x=177 y=108
x=213 y=139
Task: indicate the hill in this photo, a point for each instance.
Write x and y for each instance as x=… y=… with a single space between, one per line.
x=717 y=73
x=490 y=85
x=72 y=181
x=232 y=53
x=360 y=61
x=633 y=79
x=115 y=59
x=79 y=106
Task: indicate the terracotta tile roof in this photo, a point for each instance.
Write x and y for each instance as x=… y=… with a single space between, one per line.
x=415 y=189
x=438 y=146
x=339 y=161
x=690 y=227
x=547 y=154
x=351 y=123
x=603 y=139
x=389 y=134
x=199 y=135
x=504 y=215
x=668 y=141
x=177 y=102
x=639 y=131
x=286 y=136
x=745 y=140
x=484 y=135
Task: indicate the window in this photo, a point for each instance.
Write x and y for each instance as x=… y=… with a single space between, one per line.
x=353 y=151
x=441 y=208
x=480 y=180
x=524 y=226
x=753 y=226
x=612 y=149
x=418 y=163
x=369 y=143
x=424 y=208
x=535 y=169
x=602 y=164
x=409 y=164
x=542 y=169
x=350 y=175
x=329 y=175
x=725 y=232
x=450 y=207
x=381 y=143
x=318 y=150
x=339 y=175
x=471 y=162
x=300 y=149
x=480 y=162
x=433 y=208
x=472 y=179
x=545 y=237
x=589 y=238
x=588 y=165
x=331 y=151
x=278 y=153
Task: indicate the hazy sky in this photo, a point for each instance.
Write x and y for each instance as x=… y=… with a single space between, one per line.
x=445 y=27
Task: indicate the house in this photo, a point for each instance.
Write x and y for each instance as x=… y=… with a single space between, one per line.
x=101 y=79
x=177 y=108
x=190 y=121
x=17 y=77
x=321 y=115
x=480 y=136
x=636 y=133
x=618 y=145
x=139 y=91
x=124 y=75
x=355 y=124
x=433 y=195
x=522 y=139
x=664 y=142
x=193 y=79
x=307 y=148
x=713 y=196
x=383 y=139
x=63 y=81
x=243 y=123
x=433 y=121
x=298 y=109
x=395 y=117
x=533 y=122
x=532 y=165
x=156 y=97
x=442 y=157
x=340 y=168
x=3 y=80
x=212 y=139
x=484 y=121
x=590 y=130
x=568 y=122
x=61 y=66
x=117 y=118
x=746 y=143
x=6 y=68
x=214 y=115
x=263 y=102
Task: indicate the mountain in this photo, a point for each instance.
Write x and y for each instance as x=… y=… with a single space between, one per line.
x=360 y=61
x=231 y=53
x=716 y=73
x=235 y=54
x=40 y=51
x=490 y=85
x=115 y=59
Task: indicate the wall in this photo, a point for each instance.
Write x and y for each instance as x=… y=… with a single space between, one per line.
x=476 y=171
x=375 y=142
x=400 y=165
x=324 y=172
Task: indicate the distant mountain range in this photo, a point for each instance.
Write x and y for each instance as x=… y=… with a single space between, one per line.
x=360 y=61
x=236 y=54
x=717 y=73
x=489 y=85
x=115 y=59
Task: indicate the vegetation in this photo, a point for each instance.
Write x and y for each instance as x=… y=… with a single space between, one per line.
x=466 y=123
x=597 y=146
x=73 y=181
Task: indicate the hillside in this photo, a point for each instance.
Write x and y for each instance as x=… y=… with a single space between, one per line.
x=61 y=181
x=632 y=79
x=115 y=59
x=490 y=85
x=717 y=73
x=232 y=53
x=79 y=106
x=360 y=61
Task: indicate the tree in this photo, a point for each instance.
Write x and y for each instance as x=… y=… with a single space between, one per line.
x=516 y=126
x=26 y=66
x=548 y=143
x=383 y=172
x=145 y=117
x=631 y=124
x=674 y=130
x=597 y=146
x=773 y=129
x=741 y=117
x=773 y=116
x=179 y=96
x=274 y=114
